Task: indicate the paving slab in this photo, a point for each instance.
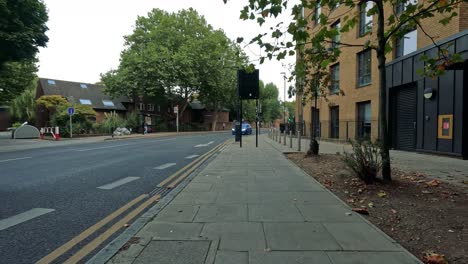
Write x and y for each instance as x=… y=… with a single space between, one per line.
x=277 y=213
x=284 y=257
x=171 y=230
x=194 y=198
x=178 y=213
x=299 y=236
x=222 y=213
x=360 y=236
x=243 y=236
x=231 y=257
x=328 y=213
x=174 y=252
x=268 y=198
x=371 y=258
x=198 y=187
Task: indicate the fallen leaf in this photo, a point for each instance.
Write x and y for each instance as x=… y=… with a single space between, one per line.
x=381 y=194
x=433 y=183
x=394 y=211
x=348 y=213
x=451 y=231
x=126 y=225
x=426 y=192
x=433 y=258
x=370 y=204
x=362 y=211
x=359 y=191
x=350 y=200
x=465 y=181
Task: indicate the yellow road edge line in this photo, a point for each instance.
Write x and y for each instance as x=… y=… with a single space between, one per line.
x=185 y=174
x=74 y=241
x=177 y=173
x=83 y=252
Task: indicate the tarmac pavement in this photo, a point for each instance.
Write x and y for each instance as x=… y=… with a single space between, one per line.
x=252 y=205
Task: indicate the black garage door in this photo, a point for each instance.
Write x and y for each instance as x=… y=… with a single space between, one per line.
x=403 y=106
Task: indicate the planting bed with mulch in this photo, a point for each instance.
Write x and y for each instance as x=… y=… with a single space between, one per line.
x=423 y=215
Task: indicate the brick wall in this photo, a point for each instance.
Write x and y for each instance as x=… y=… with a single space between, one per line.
x=348 y=72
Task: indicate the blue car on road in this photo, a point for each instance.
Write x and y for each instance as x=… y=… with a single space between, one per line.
x=245 y=130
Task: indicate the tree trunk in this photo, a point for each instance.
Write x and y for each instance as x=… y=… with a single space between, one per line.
x=215 y=119
x=383 y=129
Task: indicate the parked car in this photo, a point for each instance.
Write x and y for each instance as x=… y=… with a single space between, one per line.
x=245 y=130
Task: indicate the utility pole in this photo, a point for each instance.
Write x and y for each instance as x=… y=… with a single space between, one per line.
x=300 y=89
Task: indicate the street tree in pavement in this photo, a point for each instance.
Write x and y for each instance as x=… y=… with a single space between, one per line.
x=388 y=28
x=22 y=31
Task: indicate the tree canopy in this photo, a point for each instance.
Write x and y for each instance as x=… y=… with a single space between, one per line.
x=175 y=55
x=22 y=31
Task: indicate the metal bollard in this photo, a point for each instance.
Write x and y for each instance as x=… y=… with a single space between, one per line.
x=284 y=141
x=279 y=141
x=299 y=140
x=290 y=139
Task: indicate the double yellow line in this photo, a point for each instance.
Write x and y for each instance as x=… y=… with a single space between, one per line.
x=173 y=180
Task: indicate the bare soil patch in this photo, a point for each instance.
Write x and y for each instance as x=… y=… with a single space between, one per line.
x=422 y=214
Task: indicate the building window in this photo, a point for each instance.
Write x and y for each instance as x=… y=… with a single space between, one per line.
x=318 y=10
x=401 y=5
x=365 y=21
x=364 y=120
x=84 y=86
x=150 y=107
x=336 y=39
x=335 y=79
x=407 y=44
x=85 y=101
x=141 y=106
x=108 y=103
x=334 y=122
x=51 y=82
x=364 y=67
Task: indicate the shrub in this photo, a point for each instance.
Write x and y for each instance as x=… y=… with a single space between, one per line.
x=80 y=120
x=364 y=160
x=16 y=124
x=133 y=120
x=112 y=121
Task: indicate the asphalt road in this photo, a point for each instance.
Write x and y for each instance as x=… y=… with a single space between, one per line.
x=66 y=189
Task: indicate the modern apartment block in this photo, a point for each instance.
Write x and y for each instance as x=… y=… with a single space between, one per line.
x=355 y=114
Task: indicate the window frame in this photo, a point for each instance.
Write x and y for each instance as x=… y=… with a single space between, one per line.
x=337 y=39
x=83 y=86
x=317 y=12
x=108 y=101
x=334 y=82
x=85 y=101
x=51 y=82
x=361 y=129
x=399 y=48
x=364 y=25
x=360 y=65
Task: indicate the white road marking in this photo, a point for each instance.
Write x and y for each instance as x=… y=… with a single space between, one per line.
x=15 y=159
x=117 y=183
x=23 y=217
x=164 y=166
x=204 y=145
x=192 y=156
x=115 y=146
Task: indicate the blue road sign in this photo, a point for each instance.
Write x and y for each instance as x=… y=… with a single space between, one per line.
x=71 y=110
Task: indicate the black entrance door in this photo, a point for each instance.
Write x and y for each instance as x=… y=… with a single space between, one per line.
x=403 y=117
x=334 y=122
x=316 y=121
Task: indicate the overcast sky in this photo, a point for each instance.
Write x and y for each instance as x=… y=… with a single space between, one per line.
x=86 y=36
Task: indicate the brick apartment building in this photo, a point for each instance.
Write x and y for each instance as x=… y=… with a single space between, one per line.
x=355 y=114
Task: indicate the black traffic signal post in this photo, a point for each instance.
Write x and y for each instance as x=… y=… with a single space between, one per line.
x=247 y=89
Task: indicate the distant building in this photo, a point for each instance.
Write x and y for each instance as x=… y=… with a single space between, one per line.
x=79 y=93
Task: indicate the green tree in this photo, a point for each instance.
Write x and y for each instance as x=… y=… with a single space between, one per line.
x=22 y=32
x=23 y=107
x=389 y=27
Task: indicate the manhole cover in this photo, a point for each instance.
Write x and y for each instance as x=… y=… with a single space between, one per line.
x=174 y=252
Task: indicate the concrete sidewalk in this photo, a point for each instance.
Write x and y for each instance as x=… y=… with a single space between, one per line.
x=449 y=169
x=252 y=205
